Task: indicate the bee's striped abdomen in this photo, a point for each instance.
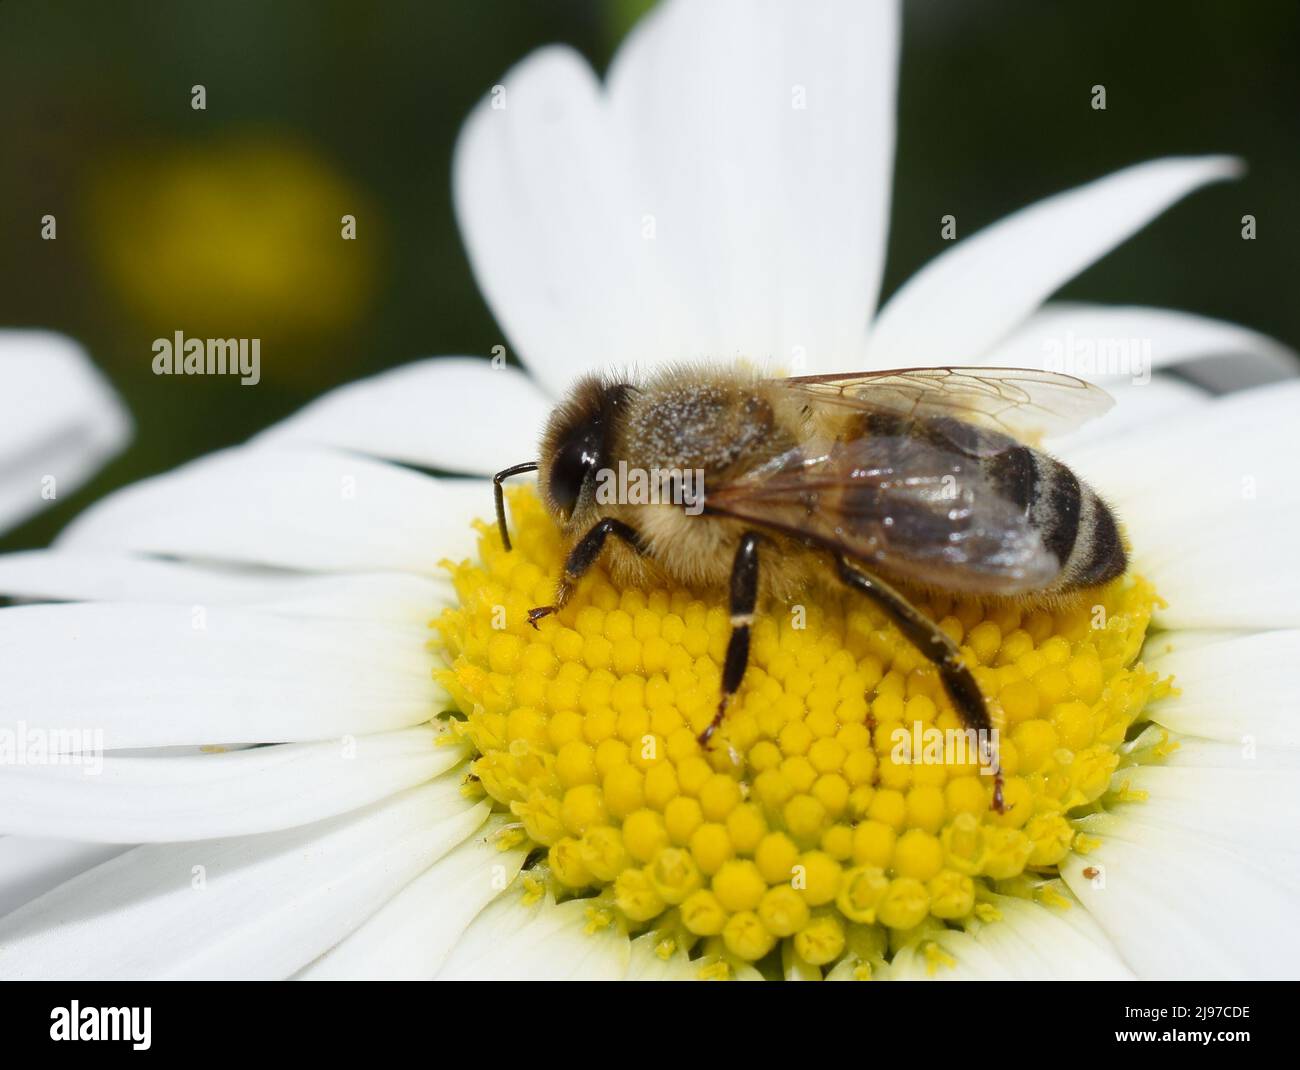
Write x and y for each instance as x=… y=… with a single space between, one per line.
x=1075 y=524
x=1098 y=555
x=1015 y=473
x=955 y=504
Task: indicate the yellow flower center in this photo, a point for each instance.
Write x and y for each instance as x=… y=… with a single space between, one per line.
x=841 y=810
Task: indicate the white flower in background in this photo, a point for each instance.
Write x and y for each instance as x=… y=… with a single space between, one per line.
x=59 y=422
x=280 y=593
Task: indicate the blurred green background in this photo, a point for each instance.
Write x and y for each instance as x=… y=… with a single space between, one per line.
x=228 y=218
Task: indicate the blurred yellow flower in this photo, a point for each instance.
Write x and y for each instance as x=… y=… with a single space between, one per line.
x=243 y=235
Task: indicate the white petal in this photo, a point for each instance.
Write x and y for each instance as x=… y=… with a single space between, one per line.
x=552 y=220
x=250 y=907
x=69 y=575
x=1107 y=342
x=648 y=963
x=513 y=940
x=1210 y=502
x=292 y=508
x=163 y=798
x=1030 y=942
x=409 y=937
x=157 y=676
x=1246 y=755
x=970 y=297
x=29 y=868
x=1182 y=906
x=765 y=135
x=973 y=963
x=1239 y=691
x=59 y=421
x=1160 y=643
x=1136 y=410
x=793 y=968
x=727 y=197
x=457 y=414
x=1244 y=805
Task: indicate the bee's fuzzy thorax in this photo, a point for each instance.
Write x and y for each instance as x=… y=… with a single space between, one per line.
x=727 y=422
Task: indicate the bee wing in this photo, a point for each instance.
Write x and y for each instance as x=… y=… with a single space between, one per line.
x=1019 y=402
x=918 y=509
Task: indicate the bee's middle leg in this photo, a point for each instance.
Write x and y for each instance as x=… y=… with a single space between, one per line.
x=934 y=643
x=582 y=557
x=744 y=599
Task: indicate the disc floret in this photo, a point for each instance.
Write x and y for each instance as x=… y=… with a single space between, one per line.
x=839 y=812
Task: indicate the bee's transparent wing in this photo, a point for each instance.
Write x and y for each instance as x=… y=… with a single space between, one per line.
x=918 y=509
x=1020 y=402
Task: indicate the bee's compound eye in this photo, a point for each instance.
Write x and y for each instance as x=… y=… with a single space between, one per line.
x=574 y=462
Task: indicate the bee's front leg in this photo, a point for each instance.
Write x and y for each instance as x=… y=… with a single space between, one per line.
x=934 y=643
x=581 y=558
x=744 y=599
x=499 y=498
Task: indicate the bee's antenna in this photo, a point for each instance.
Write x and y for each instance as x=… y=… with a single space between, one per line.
x=506 y=473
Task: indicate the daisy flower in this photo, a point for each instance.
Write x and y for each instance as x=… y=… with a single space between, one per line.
x=59 y=421
x=332 y=746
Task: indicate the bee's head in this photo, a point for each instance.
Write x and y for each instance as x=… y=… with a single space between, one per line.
x=577 y=442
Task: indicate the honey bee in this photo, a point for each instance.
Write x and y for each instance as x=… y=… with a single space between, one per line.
x=922 y=478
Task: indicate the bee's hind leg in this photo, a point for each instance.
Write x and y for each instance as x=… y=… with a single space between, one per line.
x=931 y=641
x=582 y=557
x=744 y=599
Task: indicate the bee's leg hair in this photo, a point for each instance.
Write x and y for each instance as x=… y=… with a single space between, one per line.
x=582 y=557
x=932 y=642
x=744 y=598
